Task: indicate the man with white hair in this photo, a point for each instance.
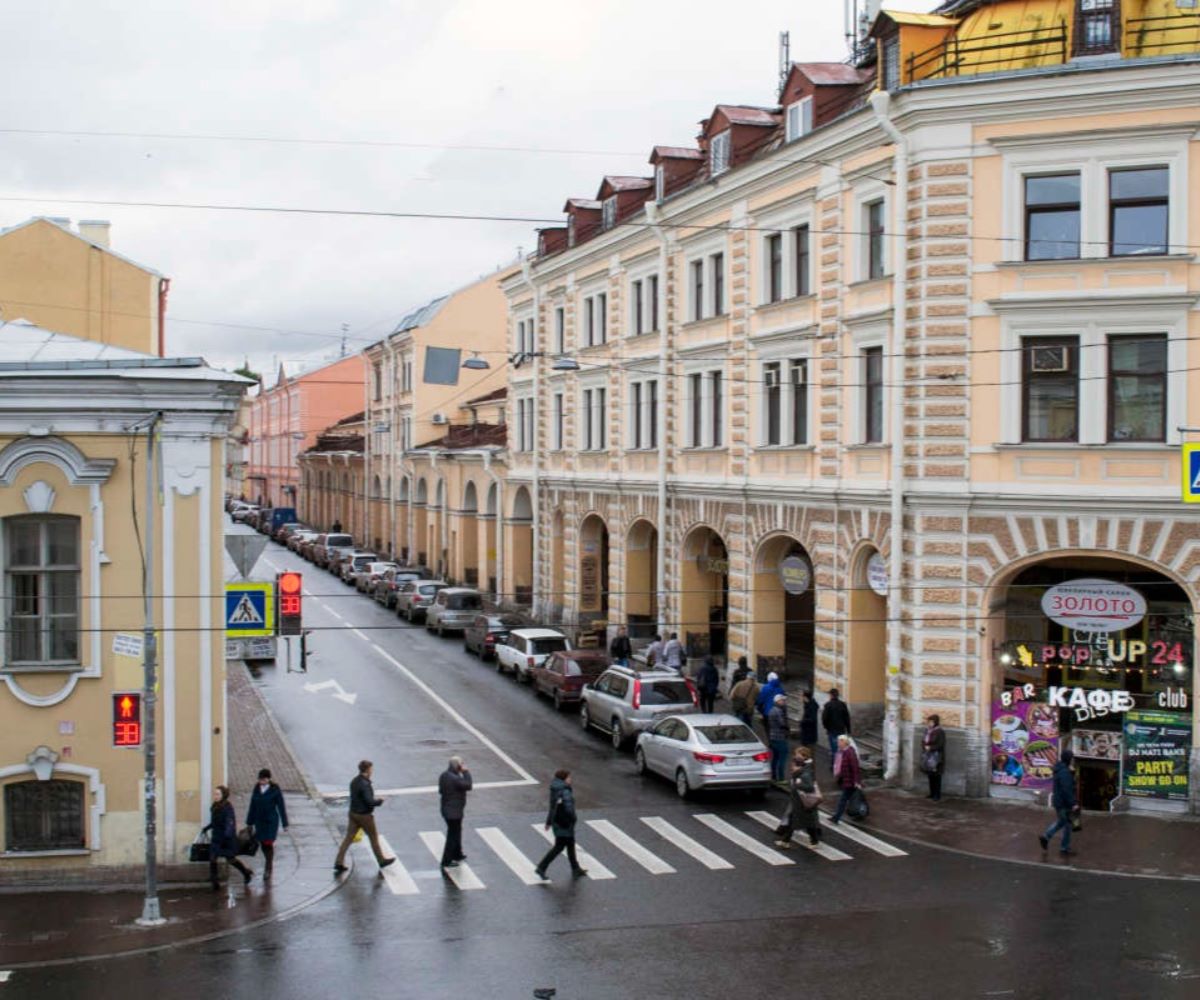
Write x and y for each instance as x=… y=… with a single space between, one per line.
x=453 y=786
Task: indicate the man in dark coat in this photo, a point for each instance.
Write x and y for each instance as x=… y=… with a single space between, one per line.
x=453 y=786
x=620 y=649
x=835 y=717
x=1065 y=804
x=707 y=683
x=363 y=804
x=264 y=816
x=561 y=818
x=808 y=722
x=933 y=755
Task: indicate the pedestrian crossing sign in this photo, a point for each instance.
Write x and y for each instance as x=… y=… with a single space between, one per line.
x=1191 y=472
x=249 y=609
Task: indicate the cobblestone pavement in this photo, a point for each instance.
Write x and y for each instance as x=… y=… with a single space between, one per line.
x=254 y=739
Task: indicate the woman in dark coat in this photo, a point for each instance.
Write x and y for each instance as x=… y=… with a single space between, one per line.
x=561 y=818
x=224 y=843
x=265 y=814
x=808 y=722
x=802 y=781
x=933 y=756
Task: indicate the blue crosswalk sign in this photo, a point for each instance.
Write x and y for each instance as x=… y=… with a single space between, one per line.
x=249 y=609
x=1191 y=472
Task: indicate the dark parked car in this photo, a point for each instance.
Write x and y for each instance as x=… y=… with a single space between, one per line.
x=481 y=636
x=563 y=675
x=389 y=584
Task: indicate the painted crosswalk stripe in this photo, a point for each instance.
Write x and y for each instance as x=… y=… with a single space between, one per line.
x=874 y=843
x=594 y=868
x=828 y=852
x=627 y=845
x=508 y=852
x=462 y=876
x=395 y=875
x=697 y=850
x=743 y=840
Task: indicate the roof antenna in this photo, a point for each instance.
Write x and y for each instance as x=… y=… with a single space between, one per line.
x=345 y=330
x=785 y=59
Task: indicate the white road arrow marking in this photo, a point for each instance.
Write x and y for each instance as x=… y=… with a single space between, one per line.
x=340 y=693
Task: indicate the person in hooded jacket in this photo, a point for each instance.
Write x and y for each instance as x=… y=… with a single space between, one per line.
x=222 y=826
x=835 y=717
x=561 y=818
x=801 y=781
x=777 y=737
x=766 y=699
x=264 y=816
x=708 y=681
x=743 y=696
x=808 y=722
x=1065 y=804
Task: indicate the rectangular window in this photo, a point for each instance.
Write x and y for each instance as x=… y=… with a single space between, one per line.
x=1137 y=211
x=798 y=375
x=652 y=414
x=377 y=380
x=1052 y=217
x=872 y=367
x=1050 y=388
x=608 y=213
x=652 y=301
x=560 y=330
x=635 y=414
x=891 y=63
x=660 y=183
x=589 y=322
x=44 y=816
x=799 y=118
x=698 y=289
x=696 y=409
x=718 y=153
x=718 y=409
x=639 y=308
x=524 y=425
x=1137 y=387
x=772 y=404
x=42 y=580
x=602 y=318
x=774 y=267
x=595 y=419
x=803 y=261
x=876 y=263
x=718 y=280
x=559 y=420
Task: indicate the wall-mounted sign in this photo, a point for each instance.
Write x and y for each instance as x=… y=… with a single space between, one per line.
x=1024 y=744
x=1096 y=744
x=1089 y=703
x=877 y=575
x=712 y=564
x=1112 y=653
x=1157 y=748
x=1094 y=605
x=795 y=575
x=589 y=583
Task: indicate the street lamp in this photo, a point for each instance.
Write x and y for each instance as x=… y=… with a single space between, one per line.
x=561 y=362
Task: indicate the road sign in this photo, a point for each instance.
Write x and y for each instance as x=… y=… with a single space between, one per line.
x=1191 y=472
x=249 y=609
x=244 y=550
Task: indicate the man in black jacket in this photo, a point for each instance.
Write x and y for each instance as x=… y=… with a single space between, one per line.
x=835 y=717
x=620 y=649
x=362 y=806
x=453 y=786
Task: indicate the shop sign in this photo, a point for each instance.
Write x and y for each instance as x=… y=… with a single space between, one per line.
x=877 y=575
x=1089 y=703
x=1157 y=748
x=795 y=575
x=1172 y=698
x=1025 y=743
x=1114 y=652
x=1096 y=744
x=1022 y=692
x=1094 y=605
x=589 y=583
x=712 y=564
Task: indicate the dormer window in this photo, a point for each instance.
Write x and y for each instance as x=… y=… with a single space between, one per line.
x=799 y=119
x=608 y=213
x=660 y=183
x=718 y=153
x=571 y=231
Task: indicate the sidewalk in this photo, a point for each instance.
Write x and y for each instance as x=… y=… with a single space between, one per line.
x=54 y=927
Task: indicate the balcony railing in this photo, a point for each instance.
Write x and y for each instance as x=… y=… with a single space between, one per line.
x=1166 y=35
x=1009 y=50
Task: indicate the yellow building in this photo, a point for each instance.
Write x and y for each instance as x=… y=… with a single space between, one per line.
x=73 y=526
x=73 y=282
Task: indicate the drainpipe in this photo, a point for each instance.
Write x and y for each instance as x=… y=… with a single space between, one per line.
x=499 y=484
x=881 y=106
x=653 y=215
x=164 y=289
x=368 y=433
x=537 y=438
x=390 y=350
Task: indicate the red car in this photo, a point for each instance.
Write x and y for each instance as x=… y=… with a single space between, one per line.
x=563 y=674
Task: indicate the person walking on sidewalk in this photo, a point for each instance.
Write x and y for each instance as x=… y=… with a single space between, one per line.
x=453 y=786
x=1065 y=804
x=222 y=825
x=363 y=804
x=805 y=798
x=264 y=816
x=708 y=681
x=743 y=696
x=620 y=649
x=848 y=774
x=654 y=652
x=673 y=654
x=336 y=527
x=561 y=818
x=835 y=717
x=808 y=722
x=777 y=736
x=933 y=755
x=766 y=700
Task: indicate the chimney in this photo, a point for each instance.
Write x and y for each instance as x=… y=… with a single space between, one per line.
x=95 y=230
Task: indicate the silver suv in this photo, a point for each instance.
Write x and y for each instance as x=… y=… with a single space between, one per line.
x=453 y=610
x=624 y=702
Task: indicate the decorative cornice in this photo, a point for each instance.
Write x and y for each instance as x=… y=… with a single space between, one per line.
x=80 y=470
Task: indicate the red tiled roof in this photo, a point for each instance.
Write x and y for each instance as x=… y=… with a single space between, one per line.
x=742 y=114
x=629 y=183
x=461 y=436
x=833 y=74
x=588 y=204
x=336 y=442
x=676 y=153
x=501 y=393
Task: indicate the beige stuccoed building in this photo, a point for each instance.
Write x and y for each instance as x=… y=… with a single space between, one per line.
x=873 y=379
x=74 y=523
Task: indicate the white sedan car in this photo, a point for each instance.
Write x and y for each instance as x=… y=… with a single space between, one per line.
x=704 y=751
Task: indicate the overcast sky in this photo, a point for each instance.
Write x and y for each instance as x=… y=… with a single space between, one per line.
x=605 y=79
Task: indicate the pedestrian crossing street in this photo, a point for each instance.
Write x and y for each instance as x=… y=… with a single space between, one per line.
x=650 y=846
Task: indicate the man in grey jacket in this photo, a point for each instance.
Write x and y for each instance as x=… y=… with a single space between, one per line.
x=453 y=786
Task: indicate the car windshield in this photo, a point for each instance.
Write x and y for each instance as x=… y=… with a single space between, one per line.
x=339 y=540
x=731 y=733
x=665 y=693
x=464 y=602
x=549 y=645
x=430 y=588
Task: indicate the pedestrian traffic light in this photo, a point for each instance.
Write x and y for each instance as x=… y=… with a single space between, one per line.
x=288 y=591
x=127 y=720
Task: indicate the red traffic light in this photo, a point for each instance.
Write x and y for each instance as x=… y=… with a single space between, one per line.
x=127 y=720
x=289 y=583
x=288 y=588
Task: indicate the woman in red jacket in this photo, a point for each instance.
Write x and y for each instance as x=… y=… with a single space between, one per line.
x=848 y=774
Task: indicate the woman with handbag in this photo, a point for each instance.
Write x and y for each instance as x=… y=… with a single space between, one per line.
x=933 y=755
x=223 y=827
x=805 y=800
x=264 y=816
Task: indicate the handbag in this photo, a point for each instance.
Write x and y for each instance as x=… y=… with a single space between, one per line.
x=201 y=849
x=930 y=761
x=247 y=843
x=810 y=800
x=858 y=808
x=1076 y=822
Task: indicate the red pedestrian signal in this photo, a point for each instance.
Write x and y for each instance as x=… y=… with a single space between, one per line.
x=288 y=590
x=127 y=720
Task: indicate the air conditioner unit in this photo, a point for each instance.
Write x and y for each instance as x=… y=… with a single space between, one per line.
x=1050 y=359
x=439 y=418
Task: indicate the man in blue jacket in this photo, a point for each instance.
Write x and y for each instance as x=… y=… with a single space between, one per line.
x=766 y=700
x=1064 y=802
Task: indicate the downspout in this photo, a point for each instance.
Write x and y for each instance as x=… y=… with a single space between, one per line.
x=881 y=106
x=499 y=484
x=390 y=350
x=660 y=563
x=537 y=439
x=164 y=289
x=368 y=434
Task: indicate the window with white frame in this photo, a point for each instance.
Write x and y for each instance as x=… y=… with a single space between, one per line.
x=801 y=260
x=799 y=118
x=406 y=373
x=638 y=305
x=716 y=263
x=660 y=182
x=643 y=304
x=876 y=248
x=558 y=421
x=608 y=213
x=773 y=253
x=696 y=269
x=525 y=423
x=643 y=414
x=772 y=403
x=652 y=300
x=871 y=375
x=525 y=342
x=719 y=150
x=560 y=330
x=45 y=816
x=595 y=418
x=41 y=590
x=784 y=402
x=595 y=319
x=705 y=407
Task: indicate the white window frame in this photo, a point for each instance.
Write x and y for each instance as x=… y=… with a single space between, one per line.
x=594 y=306
x=869 y=335
x=593 y=410
x=720 y=152
x=560 y=329
x=644 y=399
x=660 y=182
x=784 y=222
x=864 y=195
x=525 y=424
x=558 y=420
x=704 y=253
x=523 y=332
x=645 y=275
x=608 y=213
x=706 y=370
x=799 y=118
x=784 y=354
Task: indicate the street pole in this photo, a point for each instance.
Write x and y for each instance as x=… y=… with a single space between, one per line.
x=151 y=914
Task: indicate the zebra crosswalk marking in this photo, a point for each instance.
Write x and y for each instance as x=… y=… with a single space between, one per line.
x=462 y=876
x=395 y=875
x=510 y=854
x=627 y=845
x=673 y=835
x=595 y=870
x=743 y=840
x=826 y=851
x=865 y=839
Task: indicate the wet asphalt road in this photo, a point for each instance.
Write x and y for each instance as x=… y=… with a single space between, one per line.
x=927 y=923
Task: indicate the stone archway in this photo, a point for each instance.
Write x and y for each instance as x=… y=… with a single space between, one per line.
x=467 y=548
x=420 y=540
x=490 y=519
x=519 y=547
x=558 y=566
x=641 y=579
x=783 y=609
x=866 y=636
x=591 y=599
x=704 y=600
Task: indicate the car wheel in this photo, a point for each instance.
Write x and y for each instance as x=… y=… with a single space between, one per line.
x=639 y=761
x=618 y=738
x=499 y=665
x=682 y=788
x=557 y=702
x=585 y=717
